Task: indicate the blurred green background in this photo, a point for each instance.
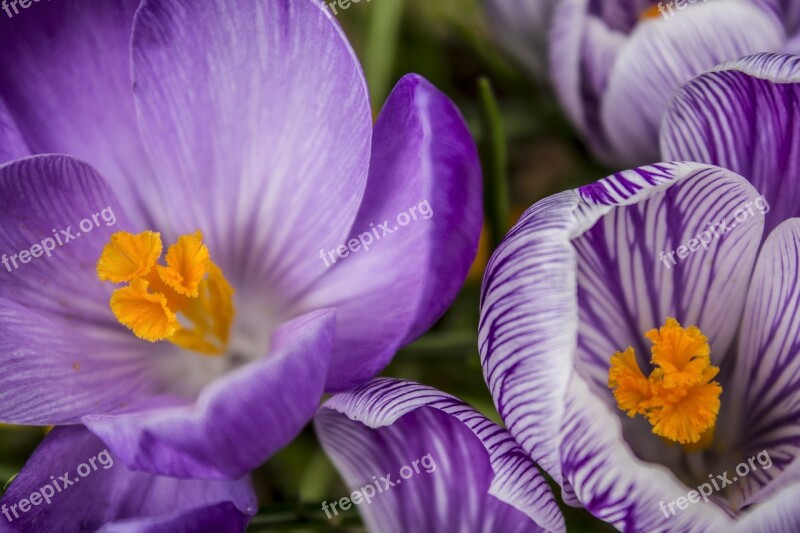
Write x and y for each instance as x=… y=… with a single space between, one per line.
x=529 y=151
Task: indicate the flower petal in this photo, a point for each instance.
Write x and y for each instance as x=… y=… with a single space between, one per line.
x=62 y=352
x=661 y=55
x=632 y=276
x=424 y=188
x=65 y=77
x=473 y=477
x=268 y=152
x=105 y=494
x=585 y=39
x=43 y=202
x=12 y=143
x=223 y=435
x=578 y=279
x=766 y=402
x=616 y=486
x=521 y=27
x=743 y=117
x=779 y=513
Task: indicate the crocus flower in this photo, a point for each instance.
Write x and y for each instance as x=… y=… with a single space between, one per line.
x=234 y=236
x=521 y=27
x=72 y=483
x=615 y=63
x=653 y=316
x=416 y=459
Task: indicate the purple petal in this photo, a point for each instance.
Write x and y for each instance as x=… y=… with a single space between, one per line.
x=743 y=117
x=579 y=278
x=663 y=55
x=471 y=475
x=259 y=115
x=790 y=13
x=65 y=77
x=62 y=353
x=767 y=373
x=424 y=173
x=104 y=494
x=238 y=421
x=12 y=143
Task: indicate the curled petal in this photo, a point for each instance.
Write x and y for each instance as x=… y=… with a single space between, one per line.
x=97 y=492
x=458 y=470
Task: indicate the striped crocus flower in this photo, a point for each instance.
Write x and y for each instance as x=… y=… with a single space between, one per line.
x=234 y=144
x=615 y=63
x=417 y=459
x=521 y=27
x=665 y=395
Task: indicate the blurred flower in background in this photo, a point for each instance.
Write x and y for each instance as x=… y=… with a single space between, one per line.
x=615 y=64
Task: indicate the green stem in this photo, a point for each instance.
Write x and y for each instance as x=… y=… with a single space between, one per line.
x=307 y=515
x=455 y=343
x=494 y=159
x=381 y=48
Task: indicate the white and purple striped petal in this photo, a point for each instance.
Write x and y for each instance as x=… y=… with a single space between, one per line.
x=662 y=55
x=766 y=381
x=616 y=485
x=477 y=478
x=743 y=116
x=578 y=278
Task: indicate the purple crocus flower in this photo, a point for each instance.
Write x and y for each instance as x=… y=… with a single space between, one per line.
x=417 y=459
x=615 y=63
x=73 y=483
x=303 y=244
x=683 y=271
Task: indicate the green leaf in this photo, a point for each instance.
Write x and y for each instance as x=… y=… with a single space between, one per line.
x=494 y=159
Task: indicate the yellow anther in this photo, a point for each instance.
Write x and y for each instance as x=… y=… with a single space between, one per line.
x=190 y=287
x=679 y=397
x=143 y=312
x=127 y=256
x=187 y=264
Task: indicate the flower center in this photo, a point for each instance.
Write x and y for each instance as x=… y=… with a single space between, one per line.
x=678 y=398
x=651 y=12
x=187 y=302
